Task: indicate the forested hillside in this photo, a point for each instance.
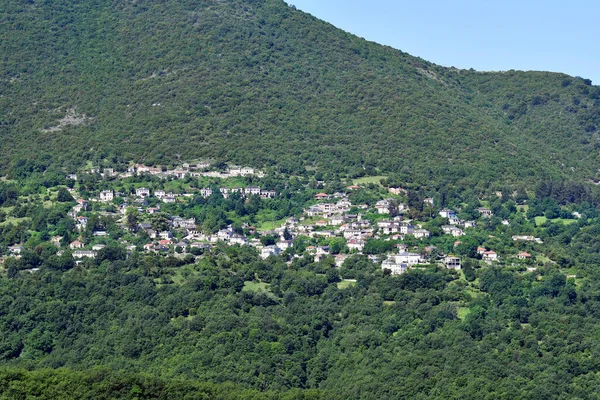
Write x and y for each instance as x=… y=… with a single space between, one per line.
x=260 y=83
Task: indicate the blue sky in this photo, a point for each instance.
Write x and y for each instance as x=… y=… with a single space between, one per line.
x=559 y=36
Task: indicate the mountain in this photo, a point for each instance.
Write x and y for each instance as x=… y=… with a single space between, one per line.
x=258 y=82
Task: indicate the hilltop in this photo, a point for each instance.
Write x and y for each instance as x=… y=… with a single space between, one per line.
x=262 y=84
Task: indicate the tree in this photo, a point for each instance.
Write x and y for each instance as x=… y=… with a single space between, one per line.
x=160 y=222
x=64 y=196
x=132 y=215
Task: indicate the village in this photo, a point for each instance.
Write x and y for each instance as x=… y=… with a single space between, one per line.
x=330 y=226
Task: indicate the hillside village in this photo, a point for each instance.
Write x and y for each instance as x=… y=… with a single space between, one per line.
x=329 y=227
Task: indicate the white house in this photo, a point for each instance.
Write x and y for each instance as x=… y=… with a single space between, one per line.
x=84 y=253
x=452 y=262
x=76 y=245
x=490 y=256
x=393 y=267
x=421 y=233
x=268 y=251
x=447 y=213
x=406 y=258
x=107 y=195
x=142 y=192
x=246 y=171
x=356 y=244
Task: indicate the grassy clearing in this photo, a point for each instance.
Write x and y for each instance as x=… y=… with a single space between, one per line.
x=346 y=283
x=256 y=287
x=369 y=179
x=389 y=302
x=541 y=220
x=15 y=221
x=462 y=312
x=182 y=274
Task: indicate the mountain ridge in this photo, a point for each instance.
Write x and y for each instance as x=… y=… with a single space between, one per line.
x=259 y=83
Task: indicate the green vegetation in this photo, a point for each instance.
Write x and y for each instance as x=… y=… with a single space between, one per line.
x=221 y=322
x=369 y=179
x=257 y=82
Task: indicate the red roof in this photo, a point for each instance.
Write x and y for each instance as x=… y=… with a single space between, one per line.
x=321 y=195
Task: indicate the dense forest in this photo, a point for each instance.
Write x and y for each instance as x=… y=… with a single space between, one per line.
x=230 y=324
x=260 y=83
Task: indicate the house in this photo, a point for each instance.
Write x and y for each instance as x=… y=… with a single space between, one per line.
x=238 y=239
x=100 y=233
x=179 y=173
x=206 y=192
x=169 y=199
x=383 y=207
x=447 y=213
x=107 y=195
x=452 y=262
x=285 y=244
x=253 y=190
x=485 y=212
x=406 y=258
x=84 y=253
x=406 y=228
x=524 y=255
x=98 y=247
x=336 y=220
x=246 y=171
x=454 y=221
x=76 y=245
x=481 y=250
x=267 y=194
x=356 y=244
x=268 y=251
x=72 y=177
x=235 y=171
x=179 y=222
x=159 y=194
x=428 y=201
x=527 y=238
x=469 y=224
x=165 y=235
x=452 y=230
x=15 y=250
x=397 y=190
x=82 y=222
x=83 y=203
x=393 y=267
x=224 y=234
x=457 y=232
x=421 y=233
x=321 y=196
x=490 y=256
x=109 y=172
